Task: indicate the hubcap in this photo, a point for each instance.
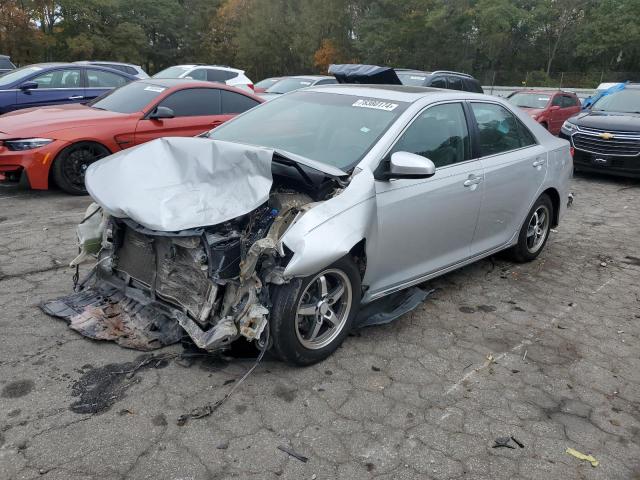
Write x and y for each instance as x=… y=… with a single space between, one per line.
x=323 y=309
x=538 y=229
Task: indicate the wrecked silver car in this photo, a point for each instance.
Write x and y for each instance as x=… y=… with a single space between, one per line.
x=310 y=215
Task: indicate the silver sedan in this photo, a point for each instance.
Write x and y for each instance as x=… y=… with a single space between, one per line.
x=310 y=215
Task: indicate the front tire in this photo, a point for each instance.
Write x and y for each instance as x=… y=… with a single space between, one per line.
x=310 y=317
x=72 y=162
x=534 y=232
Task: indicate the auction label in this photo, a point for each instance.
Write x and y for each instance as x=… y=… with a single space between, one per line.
x=376 y=104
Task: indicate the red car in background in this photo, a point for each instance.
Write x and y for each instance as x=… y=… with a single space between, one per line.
x=59 y=143
x=549 y=109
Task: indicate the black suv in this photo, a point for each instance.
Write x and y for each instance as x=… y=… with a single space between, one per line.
x=5 y=64
x=606 y=138
x=439 y=79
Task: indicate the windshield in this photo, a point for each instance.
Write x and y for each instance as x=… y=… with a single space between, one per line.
x=413 y=79
x=266 y=83
x=337 y=130
x=172 y=72
x=19 y=74
x=529 y=100
x=289 y=85
x=128 y=99
x=624 y=101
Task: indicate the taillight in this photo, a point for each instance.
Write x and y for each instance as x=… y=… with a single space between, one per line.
x=252 y=87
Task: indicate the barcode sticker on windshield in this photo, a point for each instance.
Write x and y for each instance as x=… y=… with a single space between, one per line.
x=376 y=104
x=155 y=89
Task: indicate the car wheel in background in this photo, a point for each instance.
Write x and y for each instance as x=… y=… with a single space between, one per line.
x=311 y=316
x=534 y=232
x=72 y=162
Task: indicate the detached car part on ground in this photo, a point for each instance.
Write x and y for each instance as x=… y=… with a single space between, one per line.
x=310 y=215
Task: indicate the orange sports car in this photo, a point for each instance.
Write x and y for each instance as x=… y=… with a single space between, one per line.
x=59 y=143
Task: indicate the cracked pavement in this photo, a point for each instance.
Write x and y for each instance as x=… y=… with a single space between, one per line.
x=545 y=352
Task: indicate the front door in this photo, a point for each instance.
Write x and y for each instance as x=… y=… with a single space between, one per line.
x=514 y=170
x=196 y=110
x=55 y=87
x=425 y=225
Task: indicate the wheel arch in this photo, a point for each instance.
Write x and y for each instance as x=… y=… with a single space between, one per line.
x=554 y=196
x=71 y=144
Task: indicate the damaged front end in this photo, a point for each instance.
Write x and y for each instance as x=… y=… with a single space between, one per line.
x=150 y=286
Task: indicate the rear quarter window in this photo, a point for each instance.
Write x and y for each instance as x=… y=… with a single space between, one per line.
x=221 y=76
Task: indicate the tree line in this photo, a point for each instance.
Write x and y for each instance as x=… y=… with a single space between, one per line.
x=278 y=37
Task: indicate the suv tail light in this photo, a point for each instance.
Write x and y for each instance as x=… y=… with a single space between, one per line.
x=252 y=87
x=572 y=151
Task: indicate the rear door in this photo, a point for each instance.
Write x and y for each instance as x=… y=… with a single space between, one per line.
x=196 y=110
x=99 y=82
x=555 y=113
x=55 y=87
x=514 y=170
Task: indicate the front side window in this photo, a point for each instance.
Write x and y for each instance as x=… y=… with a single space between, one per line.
x=557 y=101
x=59 y=79
x=102 y=79
x=194 y=102
x=568 y=101
x=233 y=102
x=499 y=130
x=440 y=134
x=439 y=82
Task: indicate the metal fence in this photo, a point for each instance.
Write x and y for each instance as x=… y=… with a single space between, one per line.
x=570 y=80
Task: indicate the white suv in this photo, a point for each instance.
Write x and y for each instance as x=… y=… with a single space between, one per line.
x=211 y=73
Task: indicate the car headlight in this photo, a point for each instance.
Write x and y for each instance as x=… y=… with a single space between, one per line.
x=568 y=128
x=27 y=143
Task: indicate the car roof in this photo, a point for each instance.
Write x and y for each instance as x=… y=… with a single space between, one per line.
x=186 y=82
x=310 y=77
x=106 y=62
x=398 y=93
x=544 y=92
x=201 y=65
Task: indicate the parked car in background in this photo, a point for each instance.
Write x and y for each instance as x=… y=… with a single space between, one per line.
x=61 y=142
x=135 y=70
x=5 y=64
x=439 y=79
x=211 y=73
x=549 y=109
x=289 y=84
x=56 y=84
x=606 y=138
x=262 y=85
x=374 y=74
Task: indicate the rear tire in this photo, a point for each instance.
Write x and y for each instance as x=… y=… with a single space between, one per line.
x=534 y=232
x=72 y=162
x=311 y=316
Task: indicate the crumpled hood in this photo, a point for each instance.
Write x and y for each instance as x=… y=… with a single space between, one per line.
x=173 y=184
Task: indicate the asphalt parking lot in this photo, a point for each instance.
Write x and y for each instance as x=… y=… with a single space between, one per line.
x=546 y=352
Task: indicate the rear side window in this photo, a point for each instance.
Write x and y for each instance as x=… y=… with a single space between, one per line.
x=233 y=102
x=221 y=76
x=569 y=101
x=557 y=101
x=198 y=74
x=102 y=79
x=455 y=83
x=438 y=82
x=194 y=102
x=440 y=134
x=499 y=130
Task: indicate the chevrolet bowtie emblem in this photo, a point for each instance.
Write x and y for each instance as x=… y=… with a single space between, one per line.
x=606 y=136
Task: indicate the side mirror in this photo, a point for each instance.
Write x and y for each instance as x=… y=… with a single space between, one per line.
x=28 y=86
x=406 y=165
x=161 y=112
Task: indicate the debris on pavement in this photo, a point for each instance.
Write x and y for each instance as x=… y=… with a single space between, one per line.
x=581 y=456
x=519 y=443
x=503 y=442
x=293 y=453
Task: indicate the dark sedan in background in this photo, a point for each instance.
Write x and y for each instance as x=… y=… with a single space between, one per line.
x=56 y=84
x=5 y=64
x=606 y=138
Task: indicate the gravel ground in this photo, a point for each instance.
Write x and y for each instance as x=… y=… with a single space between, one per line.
x=546 y=352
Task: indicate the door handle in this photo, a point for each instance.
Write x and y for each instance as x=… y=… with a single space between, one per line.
x=76 y=97
x=472 y=180
x=539 y=162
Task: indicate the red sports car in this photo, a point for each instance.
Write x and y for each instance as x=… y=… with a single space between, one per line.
x=59 y=143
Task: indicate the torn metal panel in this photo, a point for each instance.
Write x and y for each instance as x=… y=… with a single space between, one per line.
x=173 y=184
x=391 y=307
x=105 y=313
